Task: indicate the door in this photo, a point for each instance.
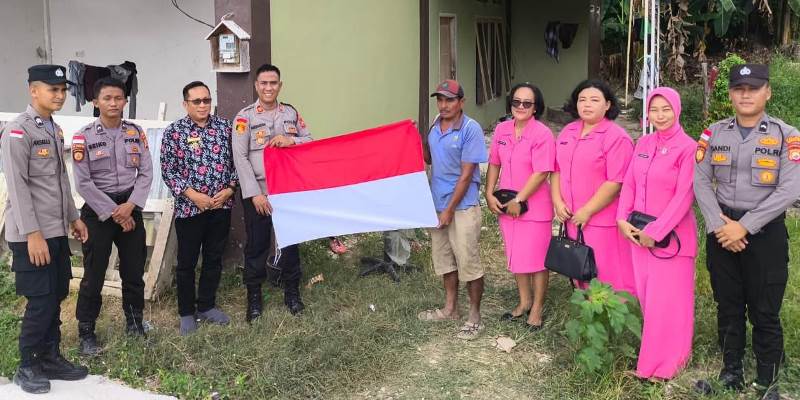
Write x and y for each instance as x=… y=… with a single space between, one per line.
x=447 y=47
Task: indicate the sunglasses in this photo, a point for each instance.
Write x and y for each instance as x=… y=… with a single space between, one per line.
x=197 y=102
x=525 y=104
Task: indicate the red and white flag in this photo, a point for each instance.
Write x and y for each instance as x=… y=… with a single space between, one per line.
x=367 y=181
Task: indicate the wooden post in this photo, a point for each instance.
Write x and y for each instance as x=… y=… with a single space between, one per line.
x=162 y=111
x=236 y=90
x=706 y=90
x=424 y=67
x=595 y=29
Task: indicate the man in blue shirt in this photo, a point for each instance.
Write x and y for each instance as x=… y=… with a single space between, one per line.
x=456 y=146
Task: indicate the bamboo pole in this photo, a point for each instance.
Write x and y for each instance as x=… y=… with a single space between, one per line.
x=628 y=52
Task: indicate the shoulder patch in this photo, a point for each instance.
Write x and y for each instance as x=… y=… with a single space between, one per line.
x=241 y=125
x=16 y=133
x=702 y=145
x=78 y=147
x=793 y=148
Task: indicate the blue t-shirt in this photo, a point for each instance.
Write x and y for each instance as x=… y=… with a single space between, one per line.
x=463 y=142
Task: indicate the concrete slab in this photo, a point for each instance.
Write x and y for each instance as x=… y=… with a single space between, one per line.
x=94 y=387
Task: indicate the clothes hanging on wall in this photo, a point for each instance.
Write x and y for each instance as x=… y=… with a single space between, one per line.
x=85 y=76
x=554 y=33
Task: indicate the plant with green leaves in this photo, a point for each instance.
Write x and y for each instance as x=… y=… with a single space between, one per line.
x=720 y=106
x=605 y=326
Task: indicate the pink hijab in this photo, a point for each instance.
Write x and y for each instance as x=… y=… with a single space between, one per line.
x=674 y=100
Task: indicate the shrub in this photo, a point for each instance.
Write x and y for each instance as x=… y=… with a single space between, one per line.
x=720 y=106
x=603 y=326
x=785 y=81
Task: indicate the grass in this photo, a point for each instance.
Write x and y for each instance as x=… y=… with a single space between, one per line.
x=340 y=348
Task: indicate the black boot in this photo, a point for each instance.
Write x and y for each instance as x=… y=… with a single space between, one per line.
x=30 y=377
x=766 y=383
x=255 y=303
x=133 y=323
x=88 y=344
x=291 y=297
x=730 y=378
x=55 y=366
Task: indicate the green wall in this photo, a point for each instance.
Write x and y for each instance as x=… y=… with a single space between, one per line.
x=529 y=20
x=348 y=65
x=467 y=13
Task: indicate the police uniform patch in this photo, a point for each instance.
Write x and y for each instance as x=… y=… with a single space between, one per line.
x=241 y=125
x=259 y=109
x=60 y=133
x=289 y=127
x=766 y=163
x=135 y=161
x=143 y=140
x=43 y=152
x=793 y=153
x=38 y=121
x=131 y=132
x=78 y=147
x=702 y=146
x=261 y=137
x=767 y=177
x=134 y=149
x=16 y=133
x=300 y=121
x=769 y=141
x=719 y=157
x=100 y=153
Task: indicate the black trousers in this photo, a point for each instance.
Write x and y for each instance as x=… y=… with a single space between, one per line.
x=132 y=251
x=206 y=232
x=257 y=252
x=44 y=288
x=750 y=285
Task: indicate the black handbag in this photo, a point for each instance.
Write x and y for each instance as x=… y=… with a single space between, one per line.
x=639 y=220
x=506 y=195
x=571 y=258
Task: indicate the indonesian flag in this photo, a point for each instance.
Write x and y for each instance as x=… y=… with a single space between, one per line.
x=367 y=181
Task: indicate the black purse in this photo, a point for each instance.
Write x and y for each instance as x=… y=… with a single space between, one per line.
x=506 y=195
x=571 y=258
x=639 y=220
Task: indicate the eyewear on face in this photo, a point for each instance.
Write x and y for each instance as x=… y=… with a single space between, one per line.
x=525 y=104
x=197 y=102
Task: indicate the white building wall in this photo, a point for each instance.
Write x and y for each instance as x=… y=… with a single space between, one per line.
x=168 y=48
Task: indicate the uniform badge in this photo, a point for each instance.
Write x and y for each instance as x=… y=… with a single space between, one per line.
x=767 y=177
x=135 y=149
x=769 y=141
x=78 y=147
x=98 y=128
x=259 y=109
x=719 y=157
x=60 y=133
x=16 y=133
x=261 y=137
x=143 y=140
x=43 y=152
x=794 y=154
x=38 y=121
x=131 y=132
x=300 y=121
x=766 y=163
x=702 y=146
x=241 y=125
x=100 y=153
x=289 y=128
x=135 y=161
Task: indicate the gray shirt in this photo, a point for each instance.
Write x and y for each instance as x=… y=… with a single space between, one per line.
x=111 y=160
x=759 y=174
x=39 y=194
x=253 y=127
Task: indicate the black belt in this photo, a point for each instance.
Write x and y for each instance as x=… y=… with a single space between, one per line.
x=120 y=197
x=736 y=215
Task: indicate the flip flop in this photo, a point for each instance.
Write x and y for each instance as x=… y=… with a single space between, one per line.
x=435 y=315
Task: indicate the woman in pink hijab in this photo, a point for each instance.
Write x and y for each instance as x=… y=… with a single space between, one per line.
x=658 y=183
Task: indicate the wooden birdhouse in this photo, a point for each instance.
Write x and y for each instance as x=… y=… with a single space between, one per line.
x=230 y=47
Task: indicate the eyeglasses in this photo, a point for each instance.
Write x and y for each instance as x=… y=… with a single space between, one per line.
x=197 y=102
x=525 y=104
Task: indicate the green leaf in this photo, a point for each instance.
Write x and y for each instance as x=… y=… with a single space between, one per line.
x=574 y=331
x=628 y=350
x=795 y=5
x=722 y=22
x=634 y=325
x=727 y=5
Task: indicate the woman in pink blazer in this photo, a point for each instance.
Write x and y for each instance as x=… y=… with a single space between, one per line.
x=522 y=155
x=592 y=155
x=659 y=183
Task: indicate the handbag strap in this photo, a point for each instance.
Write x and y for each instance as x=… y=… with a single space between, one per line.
x=677 y=240
x=580 y=235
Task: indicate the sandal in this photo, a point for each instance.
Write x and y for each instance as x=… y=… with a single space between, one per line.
x=469 y=331
x=510 y=317
x=436 y=315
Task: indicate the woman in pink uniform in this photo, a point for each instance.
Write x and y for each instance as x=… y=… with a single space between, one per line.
x=522 y=155
x=592 y=155
x=659 y=183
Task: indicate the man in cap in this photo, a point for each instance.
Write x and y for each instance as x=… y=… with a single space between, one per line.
x=40 y=212
x=747 y=175
x=455 y=147
x=112 y=172
x=267 y=122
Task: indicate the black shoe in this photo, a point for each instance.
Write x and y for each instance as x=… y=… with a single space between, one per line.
x=255 y=303
x=509 y=317
x=32 y=379
x=56 y=367
x=770 y=392
x=88 y=344
x=134 y=325
x=295 y=306
x=729 y=379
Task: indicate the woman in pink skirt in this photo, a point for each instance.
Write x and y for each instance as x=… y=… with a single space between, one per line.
x=659 y=183
x=592 y=155
x=522 y=155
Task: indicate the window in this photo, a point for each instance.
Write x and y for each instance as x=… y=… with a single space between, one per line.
x=492 y=76
x=447 y=47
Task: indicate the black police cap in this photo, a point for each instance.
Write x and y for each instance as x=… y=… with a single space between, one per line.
x=755 y=75
x=47 y=73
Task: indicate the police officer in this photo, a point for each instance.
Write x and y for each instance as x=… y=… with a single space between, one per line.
x=112 y=171
x=39 y=213
x=747 y=175
x=267 y=122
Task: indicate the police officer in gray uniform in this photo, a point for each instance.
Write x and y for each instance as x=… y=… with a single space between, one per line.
x=112 y=171
x=267 y=122
x=747 y=175
x=39 y=213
